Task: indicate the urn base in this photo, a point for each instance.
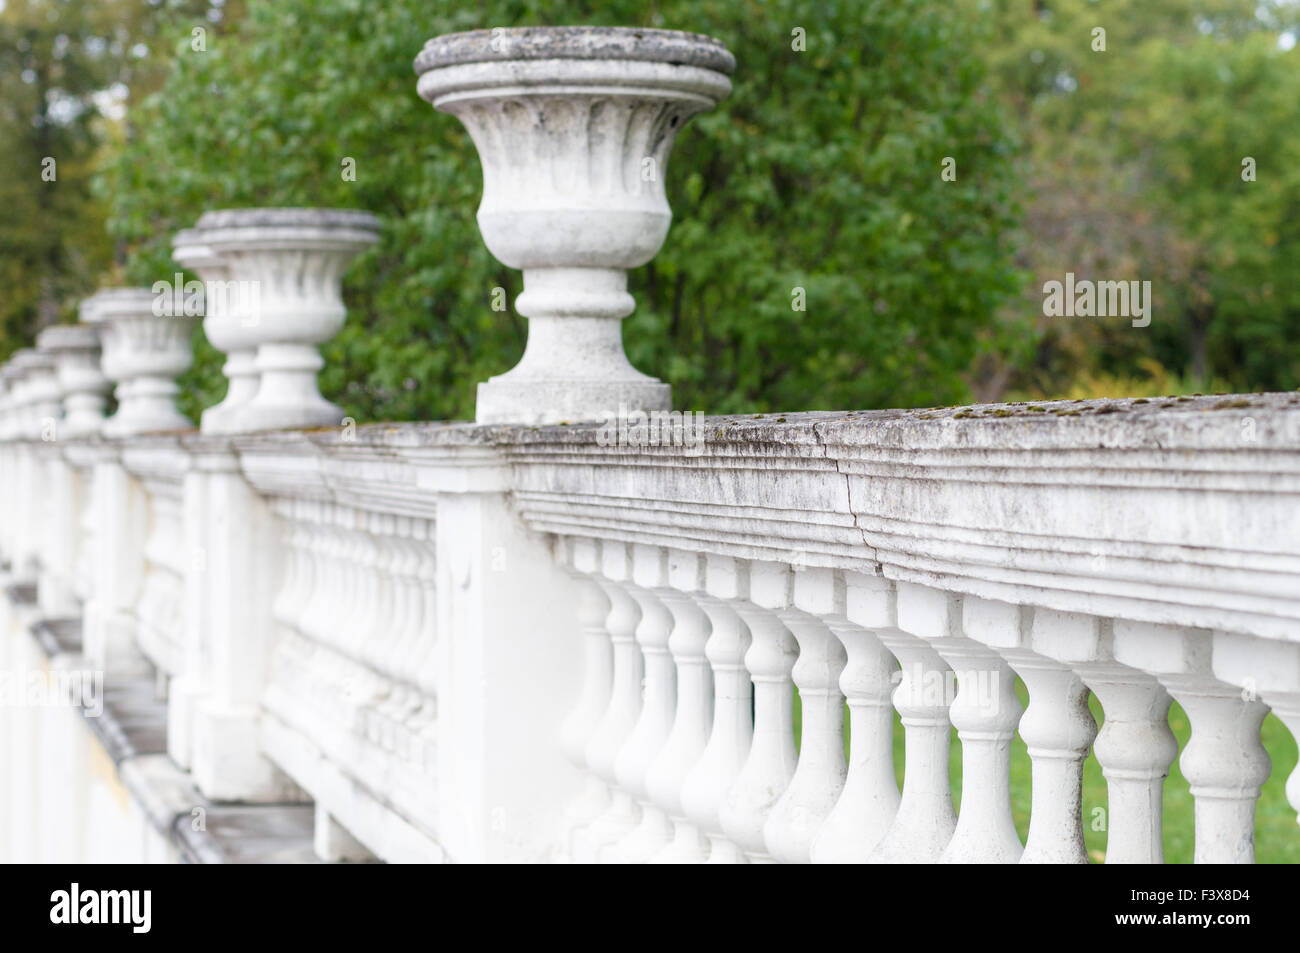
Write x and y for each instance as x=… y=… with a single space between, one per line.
x=541 y=402
x=223 y=418
x=257 y=415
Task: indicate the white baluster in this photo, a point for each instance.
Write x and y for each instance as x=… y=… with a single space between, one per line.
x=1134 y=747
x=925 y=820
x=985 y=714
x=424 y=724
x=320 y=578
x=400 y=569
x=285 y=605
x=819 y=773
x=326 y=579
x=402 y=699
x=654 y=831
x=409 y=653
x=356 y=557
x=386 y=638
x=1057 y=727
x=1268 y=669
x=770 y=660
x=86 y=547
x=704 y=789
x=869 y=802
x=624 y=706
x=694 y=716
x=1224 y=761
x=375 y=621
x=293 y=611
x=583 y=561
x=382 y=606
x=352 y=586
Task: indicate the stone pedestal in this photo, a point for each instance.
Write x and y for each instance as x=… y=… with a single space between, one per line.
x=228 y=315
x=144 y=349
x=573 y=126
x=83 y=387
x=288 y=265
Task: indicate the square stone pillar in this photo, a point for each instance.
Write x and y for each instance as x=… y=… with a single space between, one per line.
x=57 y=583
x=121 y=517
x=190 y=684
x=510 y=666
x=233 y=570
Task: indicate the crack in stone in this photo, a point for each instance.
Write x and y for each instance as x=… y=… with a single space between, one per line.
x=848 y=495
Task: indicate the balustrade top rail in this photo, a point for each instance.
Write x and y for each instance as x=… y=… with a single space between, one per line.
x=576 y=627
x=1184 y=513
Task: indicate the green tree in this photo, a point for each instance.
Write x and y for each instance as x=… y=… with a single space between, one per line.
x=821 y=172
x=68 y=68
x=1133 y=170
x=52 y=241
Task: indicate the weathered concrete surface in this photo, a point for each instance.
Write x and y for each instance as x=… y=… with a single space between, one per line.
x=1178 y=510
x=596 y=111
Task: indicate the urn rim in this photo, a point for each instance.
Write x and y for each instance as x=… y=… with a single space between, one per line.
x=27 y=360
x=504 y=44
x=113 y=303
x=316 y=218
x=68 y=337
x=190 y=251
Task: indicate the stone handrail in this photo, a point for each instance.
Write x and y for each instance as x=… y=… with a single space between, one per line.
x=635 y=638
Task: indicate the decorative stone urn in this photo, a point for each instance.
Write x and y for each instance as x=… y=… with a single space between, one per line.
x=289 y=263
x=40 y=407
x=12 y=375
x=8 y=389
x=16 y=373
x=227 y=323
x=17 y=402
x=83 y=386
x=142 y=352
x=573 y=126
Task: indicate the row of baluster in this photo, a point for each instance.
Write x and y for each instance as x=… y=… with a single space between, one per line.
x=42 y=483
x=357 y=628
x=684 y=727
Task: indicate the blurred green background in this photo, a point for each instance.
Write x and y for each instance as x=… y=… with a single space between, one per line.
x=821 y=172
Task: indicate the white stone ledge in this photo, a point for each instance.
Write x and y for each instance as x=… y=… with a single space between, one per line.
x=1186 y=514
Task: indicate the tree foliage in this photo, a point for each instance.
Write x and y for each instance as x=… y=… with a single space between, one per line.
x=1134 y=170
x=67 y=67
x=821 y=172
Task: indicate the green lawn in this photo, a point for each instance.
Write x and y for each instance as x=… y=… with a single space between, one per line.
x=1277 y=835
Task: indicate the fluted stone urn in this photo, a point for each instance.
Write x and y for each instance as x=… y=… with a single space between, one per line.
x=143 y=351
x=227 y=323
x=289 y=264
x=75 y=351
x=573 y=127
x=41 y=395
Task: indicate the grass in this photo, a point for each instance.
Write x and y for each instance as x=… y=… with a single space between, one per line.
x=1277 y=836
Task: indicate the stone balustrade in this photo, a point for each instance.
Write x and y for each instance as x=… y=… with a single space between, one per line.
x=642 y=638
x=435 y=591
